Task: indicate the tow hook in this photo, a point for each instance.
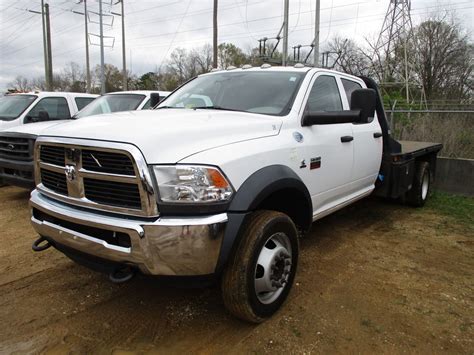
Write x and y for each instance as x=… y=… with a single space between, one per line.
x=122 y=274
x=37 y=244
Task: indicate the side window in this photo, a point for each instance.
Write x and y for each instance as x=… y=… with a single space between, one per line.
x=147 y=105
x=56 y=107
x=349 y=87
x=324 y=95
x=82 y=102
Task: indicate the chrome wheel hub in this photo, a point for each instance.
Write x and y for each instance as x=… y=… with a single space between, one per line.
x=273 y=268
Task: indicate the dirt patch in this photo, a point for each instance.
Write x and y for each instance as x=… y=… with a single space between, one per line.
x=375 y=277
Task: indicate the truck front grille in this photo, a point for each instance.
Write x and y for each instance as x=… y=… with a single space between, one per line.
x=52 y=155
x=97 y=177
x=54 y=181
x=106 y=162
x=16 y=148
x=112 y=193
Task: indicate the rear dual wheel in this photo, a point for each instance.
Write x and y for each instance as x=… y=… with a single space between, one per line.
x=262 y=269
x=421 y=186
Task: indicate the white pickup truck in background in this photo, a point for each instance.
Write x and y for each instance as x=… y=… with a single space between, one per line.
x=221 y=178
x=16 y=143
x=22 y=108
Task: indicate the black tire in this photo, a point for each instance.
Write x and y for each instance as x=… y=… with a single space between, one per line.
x=419 y=192
x=239 y=278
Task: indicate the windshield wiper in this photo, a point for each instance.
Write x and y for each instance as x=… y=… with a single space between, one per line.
x=167 y=107
x=216 y=108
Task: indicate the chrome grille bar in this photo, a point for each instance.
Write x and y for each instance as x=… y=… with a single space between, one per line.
x=103 y=186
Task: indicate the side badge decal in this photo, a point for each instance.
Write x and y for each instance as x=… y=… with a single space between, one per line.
x=303 y=164
x=315 y=163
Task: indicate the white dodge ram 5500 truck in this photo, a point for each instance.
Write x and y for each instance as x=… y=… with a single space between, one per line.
x=221 y=179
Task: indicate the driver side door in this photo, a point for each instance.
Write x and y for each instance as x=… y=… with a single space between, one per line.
x=329 y=150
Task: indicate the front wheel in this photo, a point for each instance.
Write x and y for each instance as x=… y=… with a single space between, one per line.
x=261 y=271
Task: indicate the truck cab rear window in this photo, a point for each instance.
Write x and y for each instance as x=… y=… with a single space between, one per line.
x=349 y=87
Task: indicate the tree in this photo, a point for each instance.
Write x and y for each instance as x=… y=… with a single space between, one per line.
x=74 y=77
x=348 y=56
x=20 y=84
x=148 y=81
x=229 y=54
x=444 y=59
x=113 y=78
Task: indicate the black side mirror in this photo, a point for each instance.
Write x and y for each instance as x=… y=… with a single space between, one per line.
x=155 y=99
x=330 y=117
x=43 y=116
x=364 y=101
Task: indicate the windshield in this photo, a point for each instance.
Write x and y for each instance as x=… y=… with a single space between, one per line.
x=111 y=103
x=12 y=106
x=270 y=93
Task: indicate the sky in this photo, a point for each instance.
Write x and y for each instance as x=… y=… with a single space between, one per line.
x=153 y=29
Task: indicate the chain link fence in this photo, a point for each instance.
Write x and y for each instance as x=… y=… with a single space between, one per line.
x=453 y=128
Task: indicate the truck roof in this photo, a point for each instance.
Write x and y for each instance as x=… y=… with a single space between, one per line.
x=139 y=92
x=54 y=93
x=297 y=68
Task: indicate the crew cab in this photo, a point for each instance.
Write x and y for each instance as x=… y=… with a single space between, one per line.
x=16 y=143
x=221 y=178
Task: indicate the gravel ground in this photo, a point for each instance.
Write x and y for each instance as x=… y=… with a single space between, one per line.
x=376 y=277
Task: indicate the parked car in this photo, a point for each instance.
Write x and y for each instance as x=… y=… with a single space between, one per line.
x=221 y=179
x=19 y=109
x=16 y=143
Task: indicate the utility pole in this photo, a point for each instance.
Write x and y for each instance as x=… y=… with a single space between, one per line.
x=214 y=39
x=86 y=29
x=45 y=49
x=316 y=33
x=48 y=43
x=285 y=32
x=124 y=70
x=102 y=74
x=88 y=70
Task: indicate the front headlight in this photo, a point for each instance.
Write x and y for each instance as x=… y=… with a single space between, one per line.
x=188 y=184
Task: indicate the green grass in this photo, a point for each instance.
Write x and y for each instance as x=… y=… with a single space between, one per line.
x=460 y=208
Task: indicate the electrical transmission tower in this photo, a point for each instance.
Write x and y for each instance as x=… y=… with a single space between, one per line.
x=392 y=43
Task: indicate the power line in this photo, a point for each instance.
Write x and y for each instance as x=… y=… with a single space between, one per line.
x=269 y=31
x=302 y=27
x=176 y=32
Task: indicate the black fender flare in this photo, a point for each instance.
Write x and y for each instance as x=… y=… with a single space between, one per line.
x=258 y=186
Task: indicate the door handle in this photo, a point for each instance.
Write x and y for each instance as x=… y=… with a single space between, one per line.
x=377 y=134
x=346 y=139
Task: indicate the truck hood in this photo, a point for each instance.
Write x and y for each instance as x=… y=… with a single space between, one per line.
x=7 y=124
x=34 y=128
x=167 y=136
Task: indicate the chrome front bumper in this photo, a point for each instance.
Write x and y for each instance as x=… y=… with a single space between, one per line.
x=187 y=246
